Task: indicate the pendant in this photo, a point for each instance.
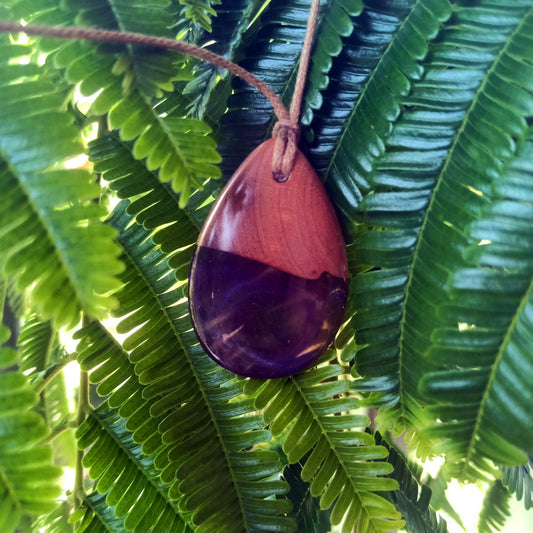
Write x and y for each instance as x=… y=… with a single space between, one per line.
x=269 y=278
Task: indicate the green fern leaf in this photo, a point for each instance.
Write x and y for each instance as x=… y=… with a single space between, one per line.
x=125 y=475
x=495 y=509
x=200 y=11
x=41 y=359
x=150 y=70
x=519 y=481
x=309 y=410
x=336 y=23
x=38 y=344
x=410 y=190
x=137 y=441
x=110 y=368
x=153 y=205
x=170 y=366
x=306 y=508
x=398 y=68
x=227 y=37
x=56 y=521
x=412 y=498
x=46 y=209
x=94 y=516
x=184 y=27
x=350 y=70
x=169 y=369
x=45 y=12
x=179 y=147
x=272 y=55
x=496 y=336
x=16 y=300
x=28 y=478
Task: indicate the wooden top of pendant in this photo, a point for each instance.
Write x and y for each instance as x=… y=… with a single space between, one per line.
x=290 y=226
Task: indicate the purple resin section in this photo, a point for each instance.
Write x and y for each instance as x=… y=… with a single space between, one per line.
x=258 y=321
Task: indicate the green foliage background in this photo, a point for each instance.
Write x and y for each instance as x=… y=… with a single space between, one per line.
x=418 y=117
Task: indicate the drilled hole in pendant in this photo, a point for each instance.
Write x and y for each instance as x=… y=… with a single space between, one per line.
x=280 y=177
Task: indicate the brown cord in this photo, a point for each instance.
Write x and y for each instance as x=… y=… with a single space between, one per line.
x=286 y=130
x=92 y=34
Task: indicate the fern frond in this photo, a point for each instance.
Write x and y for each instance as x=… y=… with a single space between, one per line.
x=132 y=443
x=94 y=516
x=45 y=209
x=314 y=413
x=273 y=55
x=519 y=481
x=127 y=79
x=408 y=237
x=495 y=509
x=491 y=383
x=154 y=205
x=200 y=11
x=211 y=85
x=392 y=77
x=336 y=23
x=15 y=299
x=184 y=27
x=38 y=342
x=306 y=508
x=56 y=521
x=149 y=70
x=41 y=358
x=140 y=405
x=351 y=71
x=28 y=477
x=40 y=12
x=173 y=365
x=180 y=148
x=412 y=498
x=198 y=426
x=125 y=475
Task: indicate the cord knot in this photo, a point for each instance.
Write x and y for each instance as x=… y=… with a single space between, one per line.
x=287 y=136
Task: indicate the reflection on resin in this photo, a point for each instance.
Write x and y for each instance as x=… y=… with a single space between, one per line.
x=258 y=321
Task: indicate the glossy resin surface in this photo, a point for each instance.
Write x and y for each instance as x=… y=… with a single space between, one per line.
x=258 y=321
x=291 y=226
x=269 y=279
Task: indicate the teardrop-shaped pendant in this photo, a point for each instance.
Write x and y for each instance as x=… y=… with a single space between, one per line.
x=269 y=279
